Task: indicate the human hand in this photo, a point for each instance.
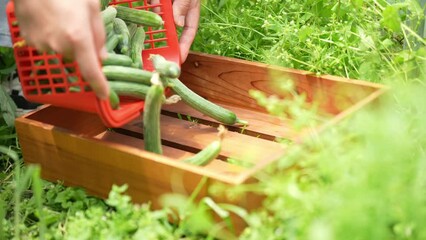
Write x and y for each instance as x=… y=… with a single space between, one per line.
x=187 y=15
x=72 y=28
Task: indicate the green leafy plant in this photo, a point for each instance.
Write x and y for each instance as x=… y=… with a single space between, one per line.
x=7 y=62
x=7 y=67
x=363 y=179
x=355 y=39
x=7 y=107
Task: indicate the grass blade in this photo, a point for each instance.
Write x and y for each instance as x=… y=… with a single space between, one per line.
x=38 y=194
x=9 y=152
x=2 y=216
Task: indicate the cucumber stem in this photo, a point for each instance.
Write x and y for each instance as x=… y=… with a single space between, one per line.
x=242 y=122
x=172 y=99
x=222 y=132
x=155 y=79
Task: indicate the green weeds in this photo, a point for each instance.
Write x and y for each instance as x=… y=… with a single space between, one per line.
x=363 y=179
x=354 y=39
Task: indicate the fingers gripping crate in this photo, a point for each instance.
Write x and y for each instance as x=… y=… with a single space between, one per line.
x=50 y=79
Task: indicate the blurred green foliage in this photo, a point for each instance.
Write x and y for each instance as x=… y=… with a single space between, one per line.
x=362 y=179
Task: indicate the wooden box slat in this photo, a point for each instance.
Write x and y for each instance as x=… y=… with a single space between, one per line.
x=195 y=137
x=217 y=165
x=275 y=127
x=76 y=148
x=227 y=80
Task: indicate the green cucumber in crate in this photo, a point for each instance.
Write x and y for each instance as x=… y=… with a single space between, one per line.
x=37 y=64
x=164 y=67
x=138 y=91
x=140 y=17
x=109 y=28
x=151 y=116
x=120 y=28
x=108 y=15
x=136 y=47
x=127 y=74
x=129 y=89
x=114 y=99
x=52 y=61
x=114 y=59
x=132 y=29
x=112 y=42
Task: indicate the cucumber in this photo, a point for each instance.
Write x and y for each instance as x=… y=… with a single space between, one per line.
x=110 y=34
x=71 y=79
x=206 y=155
x=128 y=89
x=132 y=29
x=151 y=116
x=117 y=60
x=120 y=28
x=109 y=29
x=210 y=152
x=74 y=89
x=114 y=100
x=127 y=74
x=164 y=67
x=201 y=104
x=136 y=47
x=140 y=17
x=38 y=64
x=138 y=91
x=112 y=42
x=108 y=15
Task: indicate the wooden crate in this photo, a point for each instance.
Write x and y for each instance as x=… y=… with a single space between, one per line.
x=76 y=148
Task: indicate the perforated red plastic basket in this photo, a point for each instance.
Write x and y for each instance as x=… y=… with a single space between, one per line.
x=50 y=84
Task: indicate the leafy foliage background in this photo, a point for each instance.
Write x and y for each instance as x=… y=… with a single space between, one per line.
x=363 y=179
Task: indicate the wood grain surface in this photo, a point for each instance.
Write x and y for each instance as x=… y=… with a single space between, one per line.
x=228 y=80
x=194 y=137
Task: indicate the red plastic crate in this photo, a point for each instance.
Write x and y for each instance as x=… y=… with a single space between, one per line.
x=51 y=83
